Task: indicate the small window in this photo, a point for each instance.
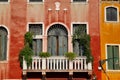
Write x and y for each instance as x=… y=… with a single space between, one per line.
x=113 y=57
x=111 y=14
x=79 y=29
x=36 y=29
x=79 y=0
x=3 y=0
x=3 y=44
x=35 y=0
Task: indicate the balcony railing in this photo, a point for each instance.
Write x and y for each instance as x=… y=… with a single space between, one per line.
x=58 y=64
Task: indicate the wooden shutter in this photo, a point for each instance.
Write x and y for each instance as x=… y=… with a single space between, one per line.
x=62 y=45
x=110 y=56
x=116 y=57
x=37 y=46
x=52 y=48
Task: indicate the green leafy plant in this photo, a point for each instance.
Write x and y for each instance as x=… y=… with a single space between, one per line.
x=28 y=38
x=27 y=51
x=70 y=55
x=84 y=40
x=44 y=54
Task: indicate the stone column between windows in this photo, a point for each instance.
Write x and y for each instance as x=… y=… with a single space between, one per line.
x=44 y=44
x=70 y=48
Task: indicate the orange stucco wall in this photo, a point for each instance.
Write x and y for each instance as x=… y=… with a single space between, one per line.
x=109 y=32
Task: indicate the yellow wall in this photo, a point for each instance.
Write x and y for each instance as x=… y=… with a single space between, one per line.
x=110 y=34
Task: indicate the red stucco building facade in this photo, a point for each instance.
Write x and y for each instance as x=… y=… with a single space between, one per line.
x=16 y=16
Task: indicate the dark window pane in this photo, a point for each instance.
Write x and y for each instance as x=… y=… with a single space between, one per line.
x=111 y=14
x=79 y=0
x=3 y=0
x=36 y=0
x=80 y=27
x=36 y=29
x=3 y=43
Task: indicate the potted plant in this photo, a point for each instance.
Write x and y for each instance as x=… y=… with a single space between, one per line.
x=44 y=54
x=27 y=51
x=70 y=55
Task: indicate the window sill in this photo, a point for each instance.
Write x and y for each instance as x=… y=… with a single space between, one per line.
x=4 y=2
x=3 y=61
x=112 y=70
x=35 y=3
x=79 y=2
x=112 y=21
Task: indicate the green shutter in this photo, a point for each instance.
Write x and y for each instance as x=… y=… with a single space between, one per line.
x=116 y=57
x=110 y=56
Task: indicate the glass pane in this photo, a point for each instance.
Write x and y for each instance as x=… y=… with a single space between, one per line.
x=79 y=0
x=3 y=0
x=36 y=0
x=116 y=57
x=110 y=56
x=37 y=46
x=36 y=29
x=76 y=48
x=111 y=14
x=81 y=28
x=3 y=43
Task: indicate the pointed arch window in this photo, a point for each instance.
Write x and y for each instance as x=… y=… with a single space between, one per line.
x=111 y=14
x=3 y=44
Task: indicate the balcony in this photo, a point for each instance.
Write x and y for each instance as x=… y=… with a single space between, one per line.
x=58 y=64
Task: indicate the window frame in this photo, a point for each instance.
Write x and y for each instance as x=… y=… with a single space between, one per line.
x=7 y=45
x=87 y=27
x=105 y=13
x=107 y=57
x=38 y=36
x=4 y=2
x=36 y=2
x=79 y=1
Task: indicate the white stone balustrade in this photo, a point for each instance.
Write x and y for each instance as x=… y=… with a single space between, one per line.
x=58 y=63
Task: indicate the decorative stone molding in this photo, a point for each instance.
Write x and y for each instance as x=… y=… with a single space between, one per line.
x=57 y=5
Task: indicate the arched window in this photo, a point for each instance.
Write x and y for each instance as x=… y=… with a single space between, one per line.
x=57 y=40
x=3 y=43
x=111 y=14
